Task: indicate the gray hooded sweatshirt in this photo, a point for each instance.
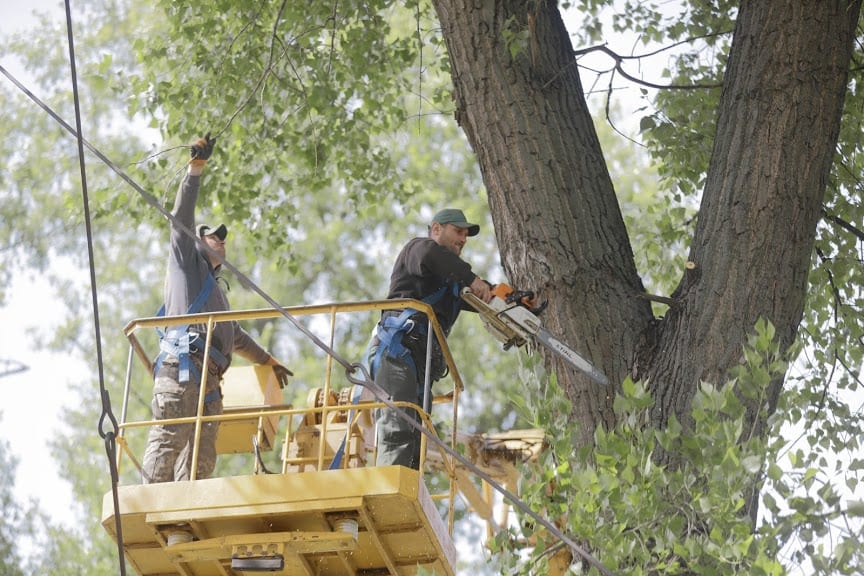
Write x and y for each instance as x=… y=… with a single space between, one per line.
x=188 y=268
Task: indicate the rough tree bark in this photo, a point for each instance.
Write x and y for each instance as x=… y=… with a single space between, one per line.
x=557 y=218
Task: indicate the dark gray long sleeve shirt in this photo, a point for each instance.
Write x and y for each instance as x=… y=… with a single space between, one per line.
x=188 y=268
x=422 y=267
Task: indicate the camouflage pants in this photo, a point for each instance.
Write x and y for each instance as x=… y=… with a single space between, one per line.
x=398 y=441
x=169 y=446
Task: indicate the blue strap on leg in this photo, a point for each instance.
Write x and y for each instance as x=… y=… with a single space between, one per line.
x=175 y=342
x=340 y=452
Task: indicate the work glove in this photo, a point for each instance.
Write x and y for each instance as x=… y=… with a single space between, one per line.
x=201 y=151
x=282 y=373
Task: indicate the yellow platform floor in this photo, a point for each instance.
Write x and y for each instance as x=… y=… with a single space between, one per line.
x=305 y=518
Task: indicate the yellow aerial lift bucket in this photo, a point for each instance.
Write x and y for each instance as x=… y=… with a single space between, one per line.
x=305 y=519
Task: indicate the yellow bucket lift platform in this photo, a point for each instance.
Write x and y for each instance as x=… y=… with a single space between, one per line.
x=305 y=519
x=362 y=521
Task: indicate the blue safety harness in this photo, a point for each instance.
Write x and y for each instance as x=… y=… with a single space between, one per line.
x=391 y=329
x=389 y=332
x=177 y=341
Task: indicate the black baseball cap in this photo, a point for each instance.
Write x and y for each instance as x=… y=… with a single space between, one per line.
x=220 y=231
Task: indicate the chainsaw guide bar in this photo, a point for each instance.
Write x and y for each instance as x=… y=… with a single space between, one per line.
x=514 y=324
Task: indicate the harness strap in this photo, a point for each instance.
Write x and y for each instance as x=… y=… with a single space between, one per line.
x=196 y=305
x=177 y=340
x=391 y=329
x=212 y=396
x=176 y=343
x=340 y=452
x=179 y=344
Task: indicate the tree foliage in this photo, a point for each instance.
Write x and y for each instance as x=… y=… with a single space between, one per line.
x=660 y=520
x=15 y=523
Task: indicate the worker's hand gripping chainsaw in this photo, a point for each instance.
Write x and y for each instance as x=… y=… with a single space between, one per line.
x=511 y=317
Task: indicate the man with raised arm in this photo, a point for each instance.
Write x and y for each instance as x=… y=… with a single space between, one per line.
x=191 y=287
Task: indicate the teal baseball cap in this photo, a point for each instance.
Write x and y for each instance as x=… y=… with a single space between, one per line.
x=456 y=218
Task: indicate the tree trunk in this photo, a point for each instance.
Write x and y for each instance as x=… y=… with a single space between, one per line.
x=777 y=128
x=557 y=219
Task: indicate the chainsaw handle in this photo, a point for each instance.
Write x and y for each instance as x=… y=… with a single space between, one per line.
x=525 y=298
x=539 y=308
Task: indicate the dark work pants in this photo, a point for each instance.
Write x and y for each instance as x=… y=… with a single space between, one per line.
x=398 y=441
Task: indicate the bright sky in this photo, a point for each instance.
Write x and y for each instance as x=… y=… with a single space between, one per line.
x=34 y=399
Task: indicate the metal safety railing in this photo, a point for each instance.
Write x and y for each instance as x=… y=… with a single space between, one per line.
x=348 y=415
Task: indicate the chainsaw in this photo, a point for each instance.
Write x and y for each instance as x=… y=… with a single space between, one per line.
x=512 y=318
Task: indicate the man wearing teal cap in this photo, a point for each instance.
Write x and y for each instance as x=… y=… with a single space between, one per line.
x=431 y=270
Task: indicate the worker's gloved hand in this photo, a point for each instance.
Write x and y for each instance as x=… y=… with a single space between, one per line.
x=200 y=152
x=282 y=373
x=481 y=289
